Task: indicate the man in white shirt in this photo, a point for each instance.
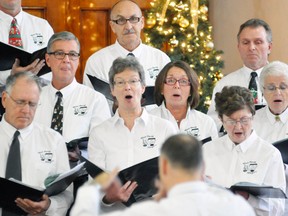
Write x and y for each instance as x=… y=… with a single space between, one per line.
x=254 y=46
x=181 y=189
x=35 y=33
x=126 y=22
x=43 y=151
x=83 y=108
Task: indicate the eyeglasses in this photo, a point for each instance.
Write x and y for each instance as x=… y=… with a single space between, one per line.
x=242 y=121
x=122 y=83
x=60 y=55
x=23 y=103
x=273 y=88
x=123 y=21
x=172 y=81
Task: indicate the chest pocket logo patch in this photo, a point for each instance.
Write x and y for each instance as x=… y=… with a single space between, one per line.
x=38 y=39
x=149 y=141
x=193 y=131
x=250 y=167
x=80 y=110
x=46 y=156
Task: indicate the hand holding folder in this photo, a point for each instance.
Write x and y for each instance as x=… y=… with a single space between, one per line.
x=11 y=189
x=9 y=53
x=143 y=173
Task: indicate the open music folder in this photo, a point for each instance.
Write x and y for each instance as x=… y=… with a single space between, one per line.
x=8 y=54
x=10 y=189
x=143 y=173
x=259 y=190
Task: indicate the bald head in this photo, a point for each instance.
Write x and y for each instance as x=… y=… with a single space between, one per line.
x=122 y=4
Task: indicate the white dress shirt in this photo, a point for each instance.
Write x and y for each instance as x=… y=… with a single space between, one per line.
x=268 y=128
x=239 y=77
x=112 y=144
x=83 y=109
x=196 y=123
x=254 y=160
x=189 y=198
x=43 y=153
x=35 y=33
x=98 y=64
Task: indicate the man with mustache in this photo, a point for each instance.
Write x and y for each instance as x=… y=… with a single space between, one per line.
x=254 y=46
x=126 y=22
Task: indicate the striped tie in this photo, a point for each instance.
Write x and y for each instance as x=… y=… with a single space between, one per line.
x=14 y=35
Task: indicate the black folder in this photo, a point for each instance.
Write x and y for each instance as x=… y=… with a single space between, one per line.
x=143 y=173
x=148 y=96
x=101 y=86
x=259 y=106
x=259 y=190
x=81 y=143
x=208 y=139
x=282 y=146
x=104 y=88
x=12 y=189
x=8 y=54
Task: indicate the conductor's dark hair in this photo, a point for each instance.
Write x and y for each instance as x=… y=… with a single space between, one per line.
x=183 y=151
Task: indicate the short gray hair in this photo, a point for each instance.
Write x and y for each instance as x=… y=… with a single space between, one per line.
x=63 y=36
x=121 y=64
x=275 y=68
x=28 y=76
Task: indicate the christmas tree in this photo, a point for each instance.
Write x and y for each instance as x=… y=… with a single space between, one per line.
x=182 y=30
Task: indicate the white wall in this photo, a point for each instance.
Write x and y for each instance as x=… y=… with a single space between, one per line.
x=226 y=16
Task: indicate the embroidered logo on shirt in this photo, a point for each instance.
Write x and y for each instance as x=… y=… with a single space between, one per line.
x=250 y=167
x=149 y=141
x=80 y=110
x=153 y=72
x=193 y=131
x=38 y=38
x=46 y=156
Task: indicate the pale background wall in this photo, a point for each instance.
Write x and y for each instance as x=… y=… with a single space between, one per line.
x=227 y=15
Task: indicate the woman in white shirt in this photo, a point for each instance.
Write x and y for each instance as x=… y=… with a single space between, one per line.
x=176 y=94
x=241 y=155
